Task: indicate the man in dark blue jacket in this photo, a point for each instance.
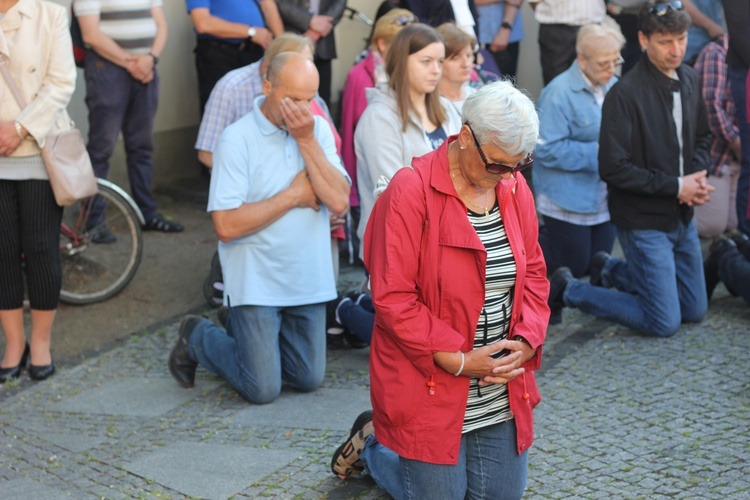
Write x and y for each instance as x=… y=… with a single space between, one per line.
x=653 y=154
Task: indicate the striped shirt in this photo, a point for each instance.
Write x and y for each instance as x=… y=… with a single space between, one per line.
x=570 y=12
x=489 y=405
x=127 y=22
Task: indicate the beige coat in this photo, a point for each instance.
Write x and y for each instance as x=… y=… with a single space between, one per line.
x=35 y=40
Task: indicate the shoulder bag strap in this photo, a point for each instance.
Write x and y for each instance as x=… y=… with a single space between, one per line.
x=11 y=82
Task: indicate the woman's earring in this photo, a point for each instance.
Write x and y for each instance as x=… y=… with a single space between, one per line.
x=462 y=147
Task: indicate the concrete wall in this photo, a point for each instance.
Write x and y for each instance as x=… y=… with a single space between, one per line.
x=177 y=119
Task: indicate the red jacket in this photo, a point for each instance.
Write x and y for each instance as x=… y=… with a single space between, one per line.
x=427 y=268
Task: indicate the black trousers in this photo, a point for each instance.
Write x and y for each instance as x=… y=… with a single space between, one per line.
x=324 y=70
x=29 y=243
x=557 y=49
x=507 y=60
x=216 y=58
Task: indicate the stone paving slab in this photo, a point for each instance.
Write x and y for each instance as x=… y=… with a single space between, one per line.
x=143 y=397
x=206 y=470
x=28 y=488
x=333 y=409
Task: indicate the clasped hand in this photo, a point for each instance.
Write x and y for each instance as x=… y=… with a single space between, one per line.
x=480 y=364
x=695 y=189
x=141 y=68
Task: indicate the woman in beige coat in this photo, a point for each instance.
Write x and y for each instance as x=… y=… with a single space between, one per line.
x=36 y=47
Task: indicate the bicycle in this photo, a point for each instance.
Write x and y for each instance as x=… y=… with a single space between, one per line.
x=96 y=271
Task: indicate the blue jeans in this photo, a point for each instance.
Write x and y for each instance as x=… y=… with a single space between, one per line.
x=358 y=318
x=573 y=245
x=263 y=346
x=657 y=287
x=117 y=103
x=734 y=271
x=488 y=467
x=737 y=81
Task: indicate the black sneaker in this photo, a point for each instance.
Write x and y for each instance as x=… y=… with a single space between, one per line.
x=159 y=223
x=742 y=242
x=711 y=264
x=223 y=315
x=102 y=236
x=598 y=261
x=213 y=285
x=558 y=282
x=334 y=329
x=181 y=365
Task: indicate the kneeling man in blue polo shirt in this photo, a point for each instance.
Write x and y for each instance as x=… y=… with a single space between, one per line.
x=276 y=175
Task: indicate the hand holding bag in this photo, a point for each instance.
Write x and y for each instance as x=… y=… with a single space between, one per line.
x=65 y=157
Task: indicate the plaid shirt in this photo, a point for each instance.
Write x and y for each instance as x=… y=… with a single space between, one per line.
x=231 y=99
x=722 y=117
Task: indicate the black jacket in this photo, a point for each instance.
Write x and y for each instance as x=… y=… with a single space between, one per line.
x=639 y=150
x=296 y=17
x=436 y=12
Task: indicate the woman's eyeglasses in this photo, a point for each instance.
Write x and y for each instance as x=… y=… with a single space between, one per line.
x=404 y=20
x=663 y=8
x=499 y=168
x=605 y=65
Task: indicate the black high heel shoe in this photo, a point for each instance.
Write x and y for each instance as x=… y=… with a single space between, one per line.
x=41 y=372
x=15 y=371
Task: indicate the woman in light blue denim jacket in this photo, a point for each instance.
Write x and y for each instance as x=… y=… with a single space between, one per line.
x=569 y=193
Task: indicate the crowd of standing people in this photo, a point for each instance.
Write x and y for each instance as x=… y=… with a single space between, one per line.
x=479 y=215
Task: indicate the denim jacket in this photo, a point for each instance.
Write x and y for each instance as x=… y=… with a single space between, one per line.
x=566 y=168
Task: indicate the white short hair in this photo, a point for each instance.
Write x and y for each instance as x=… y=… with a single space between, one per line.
x=501 y=114
x=599 y=36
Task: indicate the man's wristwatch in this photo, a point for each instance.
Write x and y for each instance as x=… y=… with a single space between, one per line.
x=506 y=25
x=251 y=32
x=156 y=59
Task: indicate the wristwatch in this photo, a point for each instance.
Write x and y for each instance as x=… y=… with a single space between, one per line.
x=251 y=32
x=156 y=59
x=506 y=25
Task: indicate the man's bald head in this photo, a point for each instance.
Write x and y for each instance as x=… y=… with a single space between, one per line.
x=289 y=67
x=290 y=76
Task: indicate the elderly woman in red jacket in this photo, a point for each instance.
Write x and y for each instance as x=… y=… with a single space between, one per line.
x=459 y=288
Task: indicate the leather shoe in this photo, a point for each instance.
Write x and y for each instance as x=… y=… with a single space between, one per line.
x=711 y=264
x=41 y=372
x=598 y=261
x=742 y=242
x=15 y=371
x=558 y=282
x=181 y=366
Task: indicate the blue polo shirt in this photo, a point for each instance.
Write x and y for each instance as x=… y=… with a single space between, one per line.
x=236 y=11
x=287 y=263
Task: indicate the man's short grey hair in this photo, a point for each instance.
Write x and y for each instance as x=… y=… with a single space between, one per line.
x=501 y=114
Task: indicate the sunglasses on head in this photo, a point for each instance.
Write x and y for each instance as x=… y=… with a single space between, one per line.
x=404 y=20
x=663 y=8
x=499 y=168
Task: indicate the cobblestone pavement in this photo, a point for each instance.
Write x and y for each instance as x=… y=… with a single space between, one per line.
x=623 y=416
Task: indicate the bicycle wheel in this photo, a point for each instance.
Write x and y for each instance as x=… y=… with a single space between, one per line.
x=93 y=272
